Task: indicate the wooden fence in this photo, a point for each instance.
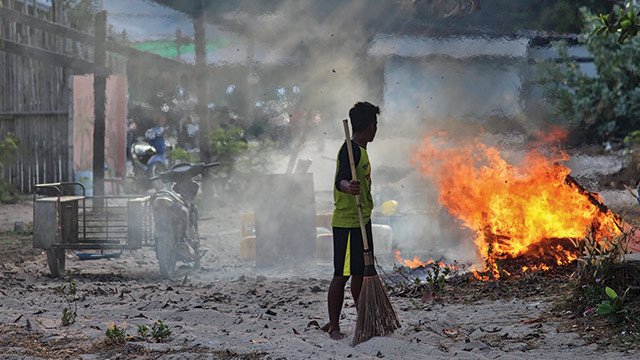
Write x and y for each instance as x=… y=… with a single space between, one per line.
x=34 y=100
x=38 y=58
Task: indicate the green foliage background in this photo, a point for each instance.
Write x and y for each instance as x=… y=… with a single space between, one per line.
x=9 y=149
x=600 y=108
x=241 y=160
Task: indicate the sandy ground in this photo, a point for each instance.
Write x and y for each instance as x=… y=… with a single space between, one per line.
x=10 y=213
x=231 y=310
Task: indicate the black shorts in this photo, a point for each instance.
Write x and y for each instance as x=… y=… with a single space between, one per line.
x=348 y=250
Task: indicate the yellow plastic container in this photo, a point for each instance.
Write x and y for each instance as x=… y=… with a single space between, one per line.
x=248 y=248
x=324 y=246
x=382 y=238
x=248 y=241
x=324 y=238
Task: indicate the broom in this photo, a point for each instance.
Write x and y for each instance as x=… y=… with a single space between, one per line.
x=376 y=316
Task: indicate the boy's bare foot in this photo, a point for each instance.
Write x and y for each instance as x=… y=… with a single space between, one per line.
x=336 y=334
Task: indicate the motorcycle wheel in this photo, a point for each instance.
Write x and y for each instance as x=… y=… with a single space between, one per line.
x=196 y=261
x=166 y=253
x=56 y=261
x=156 y=169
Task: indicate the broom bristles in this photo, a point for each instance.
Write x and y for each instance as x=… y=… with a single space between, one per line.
x=376 y=316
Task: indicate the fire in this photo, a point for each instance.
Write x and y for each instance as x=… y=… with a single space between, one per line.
x=539 y=267
x=512 y=207
x=416 y=262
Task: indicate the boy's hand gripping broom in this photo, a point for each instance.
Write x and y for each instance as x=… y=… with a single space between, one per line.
x=376 y=316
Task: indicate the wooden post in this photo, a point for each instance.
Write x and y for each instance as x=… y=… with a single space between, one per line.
x=178 y=41
x=251 y=75
x=99 y=103
x=201 y=85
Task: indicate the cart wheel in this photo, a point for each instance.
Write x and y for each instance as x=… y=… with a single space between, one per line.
x=166 y=253
x=56 y=260
x=196 y=262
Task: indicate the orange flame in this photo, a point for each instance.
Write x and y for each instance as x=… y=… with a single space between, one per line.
x=510 y=207
x=539 y=267
x=416 y=262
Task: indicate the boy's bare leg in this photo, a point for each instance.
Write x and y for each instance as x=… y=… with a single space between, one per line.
x=335 y=300
x=356 y=286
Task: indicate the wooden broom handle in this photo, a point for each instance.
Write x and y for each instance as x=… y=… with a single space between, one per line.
x=365 y=242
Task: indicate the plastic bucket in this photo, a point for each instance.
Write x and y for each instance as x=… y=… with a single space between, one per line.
x=85 y=178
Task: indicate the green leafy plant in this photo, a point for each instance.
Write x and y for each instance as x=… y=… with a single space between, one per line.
x=613 y=306
x=143 y=330
x=434 y=281
x=227 y=144
x=160 y=331
x=115 y=332
x=240 y=160
x=68 y=291
x=600 y=270
x=624 y=24
x=9 y=147
x=436 y=277
x=180 y=155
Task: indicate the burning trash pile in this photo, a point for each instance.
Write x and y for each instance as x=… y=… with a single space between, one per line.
x=526 y=216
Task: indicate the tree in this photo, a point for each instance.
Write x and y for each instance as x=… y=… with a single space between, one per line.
x=560 y=16
x=598 y=108
x=81 y=13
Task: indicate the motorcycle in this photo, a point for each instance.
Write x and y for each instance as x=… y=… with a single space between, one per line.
x=148 y=157
x=176 y=218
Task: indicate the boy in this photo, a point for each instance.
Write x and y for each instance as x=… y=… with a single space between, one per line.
x=348 y=249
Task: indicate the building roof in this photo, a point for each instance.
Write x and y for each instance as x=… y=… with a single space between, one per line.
x=455 y=47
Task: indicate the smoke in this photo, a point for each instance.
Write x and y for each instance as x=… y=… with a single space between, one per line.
x=320 y=51
x=336 y=57
x=299 y=66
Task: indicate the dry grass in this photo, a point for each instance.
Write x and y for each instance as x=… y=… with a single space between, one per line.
x=20 y=341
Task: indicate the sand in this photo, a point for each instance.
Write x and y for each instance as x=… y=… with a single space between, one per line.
x=229 y=309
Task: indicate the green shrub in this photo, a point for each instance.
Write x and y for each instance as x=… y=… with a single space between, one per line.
x=143 y=330
x=597 y=108
x=9 y=150
x=227 y=144
x=115 y=332
x=240 y=161
x=160 y=331
x=179 y=155
x=68 y=292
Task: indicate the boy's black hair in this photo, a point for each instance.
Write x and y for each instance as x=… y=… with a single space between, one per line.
x=362 y=114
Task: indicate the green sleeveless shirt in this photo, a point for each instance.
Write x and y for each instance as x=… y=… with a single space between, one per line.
x=345 y=214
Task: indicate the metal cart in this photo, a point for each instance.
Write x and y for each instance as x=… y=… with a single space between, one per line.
x=69 y=222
